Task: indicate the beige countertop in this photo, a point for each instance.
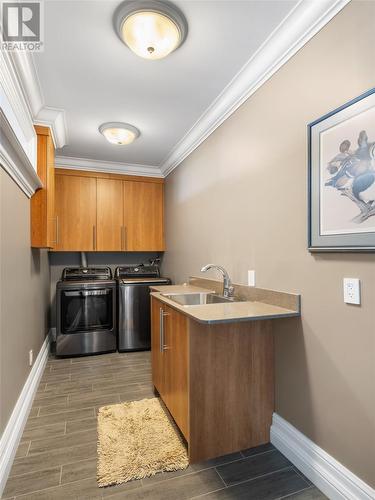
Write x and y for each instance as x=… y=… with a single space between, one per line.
x=222 y=312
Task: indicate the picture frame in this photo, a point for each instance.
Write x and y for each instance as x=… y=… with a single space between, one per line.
x=341 y=178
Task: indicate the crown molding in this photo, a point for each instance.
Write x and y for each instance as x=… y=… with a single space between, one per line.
x=302 y=23
x=15 y=106
x=29 y=80
x=111 y=167
x=18 y=138
x=54 y=118
x=14 y=159
x=26 y=100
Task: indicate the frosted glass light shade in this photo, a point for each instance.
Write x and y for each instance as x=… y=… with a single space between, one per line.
x=150 y=34
x=151 y=29
x=119 y=133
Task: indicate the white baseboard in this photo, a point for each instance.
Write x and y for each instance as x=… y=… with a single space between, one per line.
x=13 y=431
x=329 y=475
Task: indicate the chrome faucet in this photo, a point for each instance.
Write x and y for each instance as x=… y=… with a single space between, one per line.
x=227 y=284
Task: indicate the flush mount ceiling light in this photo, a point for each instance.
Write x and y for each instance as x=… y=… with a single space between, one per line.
x=151 y=29
x=119 y=133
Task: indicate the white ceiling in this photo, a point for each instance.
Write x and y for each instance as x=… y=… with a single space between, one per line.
x=87 y=71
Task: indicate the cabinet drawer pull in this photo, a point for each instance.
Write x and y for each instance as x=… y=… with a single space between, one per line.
x=163 y=347
x=161 y=329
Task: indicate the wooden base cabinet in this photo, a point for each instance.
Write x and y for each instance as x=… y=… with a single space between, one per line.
x=217 y=380
x=170 y=361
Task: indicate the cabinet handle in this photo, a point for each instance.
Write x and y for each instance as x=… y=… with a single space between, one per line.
x=163 y=347
x=57 y=230
x=125 y=237
x=161 y=329
x=94 y=237
x=54 y=241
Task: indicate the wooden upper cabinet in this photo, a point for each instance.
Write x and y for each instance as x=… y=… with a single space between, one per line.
x=76 y=213
x=43 y=217
x=108 y=212
x=143 y=216
x=110 y=223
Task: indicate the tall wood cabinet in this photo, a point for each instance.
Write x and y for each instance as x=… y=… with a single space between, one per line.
x=43 y=217
x=108 y=212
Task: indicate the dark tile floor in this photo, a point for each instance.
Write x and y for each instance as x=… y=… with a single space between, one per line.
x=56 y=458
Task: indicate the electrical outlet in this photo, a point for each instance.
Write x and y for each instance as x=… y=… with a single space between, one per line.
x=251 y=278
x=31 y=357
x=352 y=291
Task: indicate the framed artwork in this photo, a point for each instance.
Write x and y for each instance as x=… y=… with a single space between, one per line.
x=342 y=178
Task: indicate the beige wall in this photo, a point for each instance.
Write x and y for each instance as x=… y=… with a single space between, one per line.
x=240 y=201
x=24 y=295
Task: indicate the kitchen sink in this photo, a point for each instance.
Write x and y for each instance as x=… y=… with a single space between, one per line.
x=198 y=299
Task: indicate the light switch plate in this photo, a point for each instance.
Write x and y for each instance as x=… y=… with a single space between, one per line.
x=352 y=291
x=251 y=278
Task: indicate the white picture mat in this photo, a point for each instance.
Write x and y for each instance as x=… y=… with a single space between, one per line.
x=337 y=211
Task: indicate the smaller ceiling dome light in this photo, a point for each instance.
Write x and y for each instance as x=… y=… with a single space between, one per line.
x=119 y=133
x=152 y=29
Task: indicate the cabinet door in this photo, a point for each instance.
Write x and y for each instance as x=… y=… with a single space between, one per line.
x=110 y=229
x=75 y=199
x=176 y=368
x=143 y=216
x=51 y=210
x=43 y=217
x=157 y=356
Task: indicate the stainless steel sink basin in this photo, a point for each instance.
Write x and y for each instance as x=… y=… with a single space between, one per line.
x=198 y=299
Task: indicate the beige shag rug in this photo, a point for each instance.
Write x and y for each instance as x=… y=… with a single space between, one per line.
x=136 y=440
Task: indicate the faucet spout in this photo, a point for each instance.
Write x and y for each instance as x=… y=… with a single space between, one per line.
x=227 y=284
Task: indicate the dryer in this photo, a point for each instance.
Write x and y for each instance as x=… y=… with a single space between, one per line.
x=86 y=311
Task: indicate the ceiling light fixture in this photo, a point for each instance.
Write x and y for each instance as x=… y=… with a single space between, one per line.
x=119 y=133
x=152 y=29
